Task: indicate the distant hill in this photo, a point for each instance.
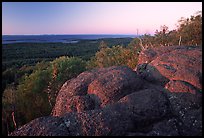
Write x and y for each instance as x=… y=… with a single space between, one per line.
x=8 y=39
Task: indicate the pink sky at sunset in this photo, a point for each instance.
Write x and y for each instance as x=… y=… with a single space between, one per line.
x=93 y=17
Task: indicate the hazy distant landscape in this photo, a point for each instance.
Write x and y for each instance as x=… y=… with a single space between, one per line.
x=8 y=39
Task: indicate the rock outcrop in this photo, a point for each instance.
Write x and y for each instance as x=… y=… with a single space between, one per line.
x=95 y=89
x=160 y=65
x=162 y=98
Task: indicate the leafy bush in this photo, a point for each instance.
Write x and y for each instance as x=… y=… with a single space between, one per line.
x=35 y=94
x=190 y=29
x=34 y=87
x=63 y=69
x=117 y=55
x=32 y=102
x=67 y=67
x=8 y=105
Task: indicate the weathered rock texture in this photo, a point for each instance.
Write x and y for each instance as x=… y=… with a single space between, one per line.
x=163 y=64
x=95 y=89
x=162 y=98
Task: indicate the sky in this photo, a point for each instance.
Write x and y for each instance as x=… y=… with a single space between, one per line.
x=22 y=18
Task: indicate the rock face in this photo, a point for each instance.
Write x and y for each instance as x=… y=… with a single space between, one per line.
x=160 y=65
x=162 y=98
x=95 y=89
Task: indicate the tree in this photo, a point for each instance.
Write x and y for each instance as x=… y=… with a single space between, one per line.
x=32 y=98
x=134 y=43
x=190 y=29
x=102 y=45
x=61 y=70
x=31 y=89
x=162 y=35
x=115 y=56
x=173 y=38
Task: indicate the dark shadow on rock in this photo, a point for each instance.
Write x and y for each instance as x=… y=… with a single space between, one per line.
x=151 y=74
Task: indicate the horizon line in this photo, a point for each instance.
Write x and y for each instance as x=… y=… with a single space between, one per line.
x=72 y=34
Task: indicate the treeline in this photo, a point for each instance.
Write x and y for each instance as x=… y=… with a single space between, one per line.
x=188 y=32
x=21 y=58
x=30 y=91
x=19 y=54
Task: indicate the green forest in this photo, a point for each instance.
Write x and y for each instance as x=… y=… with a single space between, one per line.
x=33 y=73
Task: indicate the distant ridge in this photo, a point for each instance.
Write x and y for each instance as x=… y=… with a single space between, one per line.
x=47 y=38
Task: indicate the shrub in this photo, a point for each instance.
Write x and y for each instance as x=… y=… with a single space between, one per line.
x=117 y=55
x=35 y=94
x=63 y=69
x=32 y=102
x=67 y=67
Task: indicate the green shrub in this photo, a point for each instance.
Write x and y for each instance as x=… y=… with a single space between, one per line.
x=35 y=94
x=117 y=55
x=63 y=69
x=32 y=102
x=67 y=67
